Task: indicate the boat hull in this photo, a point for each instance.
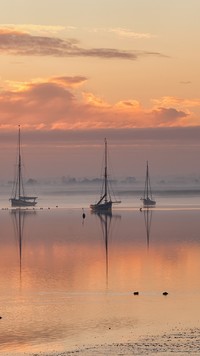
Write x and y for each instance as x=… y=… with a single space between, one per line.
x=104 y=207
x=21 y=202
x=148 y=202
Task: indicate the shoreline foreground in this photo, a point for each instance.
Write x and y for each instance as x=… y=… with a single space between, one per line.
x=179 y=341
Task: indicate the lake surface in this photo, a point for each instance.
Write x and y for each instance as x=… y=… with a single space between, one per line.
x=67 y=282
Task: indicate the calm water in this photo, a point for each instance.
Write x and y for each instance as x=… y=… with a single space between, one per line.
x=66 y=282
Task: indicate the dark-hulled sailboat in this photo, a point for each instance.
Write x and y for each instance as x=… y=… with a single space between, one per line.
x=19 y=199
x=105 y=202
x=147 y=198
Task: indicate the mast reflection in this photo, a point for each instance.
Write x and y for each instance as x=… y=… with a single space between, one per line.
x=107 y=225
x=18 y=217
x=147 y=219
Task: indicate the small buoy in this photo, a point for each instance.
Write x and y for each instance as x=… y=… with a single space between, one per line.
x=136 y=293
x=83 y=215
x=0 y=317
x=56 y=206
x=165 y=293
x=140 y=209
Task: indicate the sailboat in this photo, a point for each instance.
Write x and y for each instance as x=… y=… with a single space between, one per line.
x=147 y=198
x=19 y=199
x=105 y=202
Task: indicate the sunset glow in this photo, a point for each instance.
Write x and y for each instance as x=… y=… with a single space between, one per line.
x=99 y=72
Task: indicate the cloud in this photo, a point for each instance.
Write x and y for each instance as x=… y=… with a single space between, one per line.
x=185 y=82
x=94 y=101
x=65 y=81
x=124 y=32
x=69 y=81
x=60 y=103
x=168 y=115
x=167 y=101
x=128 y=104
x=18 y=43
x=45 y=92
x=35 y=28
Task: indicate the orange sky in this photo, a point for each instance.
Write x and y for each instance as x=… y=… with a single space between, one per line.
x=99 y=68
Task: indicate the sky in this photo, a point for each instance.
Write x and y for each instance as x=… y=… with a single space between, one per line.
x=76 y=71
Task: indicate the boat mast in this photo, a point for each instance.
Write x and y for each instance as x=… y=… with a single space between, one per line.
x=147 y=180
x=105 y=172
x=19 y=163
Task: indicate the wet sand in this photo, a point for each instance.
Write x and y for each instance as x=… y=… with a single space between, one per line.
x=182 y=342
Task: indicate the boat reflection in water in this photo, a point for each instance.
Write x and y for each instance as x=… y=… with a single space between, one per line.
x=107 y=222
x=18 y=217
x=147 y=220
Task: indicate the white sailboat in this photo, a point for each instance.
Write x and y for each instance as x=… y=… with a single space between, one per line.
x=105 y=202
x=19 y=199
x=147 y=198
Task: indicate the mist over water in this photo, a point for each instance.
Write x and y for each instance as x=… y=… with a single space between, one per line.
x=80 y=193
